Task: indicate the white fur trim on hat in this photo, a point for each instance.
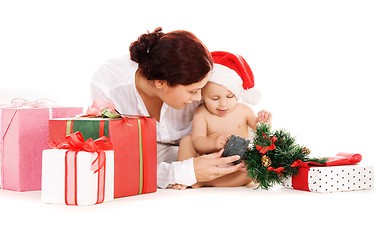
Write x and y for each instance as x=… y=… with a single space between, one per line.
x=227 y=78
x=230 y=80
x=252 y=96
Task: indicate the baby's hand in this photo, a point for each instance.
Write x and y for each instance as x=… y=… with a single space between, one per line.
x=221 y=141
x=264 y=116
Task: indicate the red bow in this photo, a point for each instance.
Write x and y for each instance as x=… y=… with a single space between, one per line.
x=296 y=163
x=263 y=150
x=339 y=160
x=75 y=142
x=277 y=170
x=102 y=108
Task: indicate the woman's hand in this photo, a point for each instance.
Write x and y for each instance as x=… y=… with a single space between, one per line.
x=207 y=166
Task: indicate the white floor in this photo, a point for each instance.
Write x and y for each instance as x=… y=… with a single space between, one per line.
x=205 y=213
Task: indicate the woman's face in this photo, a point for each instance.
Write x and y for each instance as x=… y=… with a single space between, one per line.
x=180 y=96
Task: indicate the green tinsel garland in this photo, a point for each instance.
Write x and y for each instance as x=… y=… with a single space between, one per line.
x=271 y=155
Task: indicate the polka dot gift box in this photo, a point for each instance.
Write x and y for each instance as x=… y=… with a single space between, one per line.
x=339 y=174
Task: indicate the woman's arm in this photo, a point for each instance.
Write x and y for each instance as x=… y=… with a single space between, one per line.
x=208 y=167
x=181 y=172
x=200 y=169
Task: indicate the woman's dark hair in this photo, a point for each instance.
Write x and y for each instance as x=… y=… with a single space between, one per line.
x=178 y=57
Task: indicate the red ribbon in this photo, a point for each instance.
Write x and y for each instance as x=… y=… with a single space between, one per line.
x=300 y=181
x=263 y=150
x=75 y=143
x=296 y=163
x=277 y=170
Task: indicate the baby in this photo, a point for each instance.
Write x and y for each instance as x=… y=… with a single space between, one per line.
x=222 y=115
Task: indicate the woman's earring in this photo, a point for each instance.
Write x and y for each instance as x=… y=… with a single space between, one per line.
x=160 y=85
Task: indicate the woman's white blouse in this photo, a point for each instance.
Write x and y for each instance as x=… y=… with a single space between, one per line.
x=115 y=82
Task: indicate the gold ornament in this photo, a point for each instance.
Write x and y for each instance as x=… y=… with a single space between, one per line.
x=305 y=150
x=266 y=161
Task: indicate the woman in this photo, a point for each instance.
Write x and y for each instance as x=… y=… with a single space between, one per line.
x=162 y=78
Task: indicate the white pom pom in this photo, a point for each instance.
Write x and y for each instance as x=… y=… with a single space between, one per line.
x=251 y=96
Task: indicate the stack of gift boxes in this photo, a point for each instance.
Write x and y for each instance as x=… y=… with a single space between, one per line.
x=91 y=159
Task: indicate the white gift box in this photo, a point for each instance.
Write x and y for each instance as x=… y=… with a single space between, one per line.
x=338 y=178
x=54 y=177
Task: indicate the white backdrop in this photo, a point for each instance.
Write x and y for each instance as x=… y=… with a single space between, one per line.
x=312 y=60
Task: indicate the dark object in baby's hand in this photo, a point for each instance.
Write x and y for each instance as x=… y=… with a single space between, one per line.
x=235 y=146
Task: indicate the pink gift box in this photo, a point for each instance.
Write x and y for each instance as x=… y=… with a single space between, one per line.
x=23 y=137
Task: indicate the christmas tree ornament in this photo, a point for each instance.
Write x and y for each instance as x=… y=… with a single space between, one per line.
x=305 y=150
x=266 y=161
x=274 y=156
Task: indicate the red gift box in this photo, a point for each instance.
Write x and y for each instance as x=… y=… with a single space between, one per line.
x=134 y=145
x=340 y=173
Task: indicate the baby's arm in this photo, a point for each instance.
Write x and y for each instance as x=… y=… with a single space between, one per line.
x=263 y=116
x=252 y=119
x=201 y=142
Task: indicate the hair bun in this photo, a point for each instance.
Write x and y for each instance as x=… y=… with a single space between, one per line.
x=141 y=48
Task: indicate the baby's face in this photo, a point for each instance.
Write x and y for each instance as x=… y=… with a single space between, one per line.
x=218 y=100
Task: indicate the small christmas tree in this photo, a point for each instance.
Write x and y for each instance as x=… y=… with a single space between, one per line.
x=274 y=156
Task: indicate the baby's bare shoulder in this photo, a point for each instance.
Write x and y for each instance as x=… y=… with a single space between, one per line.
x=245 y=108
x=242 y=106
x=201 y=111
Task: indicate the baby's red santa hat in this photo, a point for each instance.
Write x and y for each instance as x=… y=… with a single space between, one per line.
x=233 y=72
